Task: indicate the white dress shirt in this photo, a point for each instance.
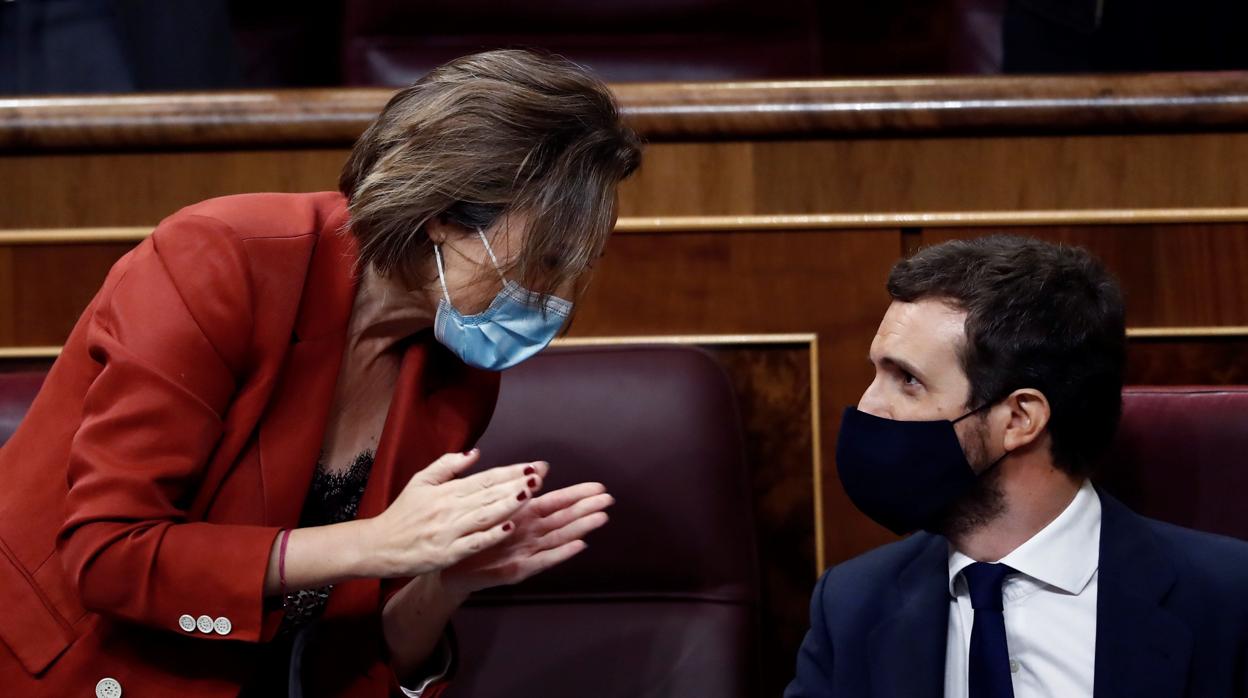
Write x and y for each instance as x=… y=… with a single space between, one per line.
x=1049 y=607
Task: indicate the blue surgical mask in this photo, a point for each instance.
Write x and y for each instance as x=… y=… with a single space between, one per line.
x=516 y=326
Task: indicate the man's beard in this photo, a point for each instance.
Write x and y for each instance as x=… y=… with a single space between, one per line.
x=984 y=502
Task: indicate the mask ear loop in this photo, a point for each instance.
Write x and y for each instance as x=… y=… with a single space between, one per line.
x=490 y=251
x=437 y=256
x=981 y=408
x=977 y=410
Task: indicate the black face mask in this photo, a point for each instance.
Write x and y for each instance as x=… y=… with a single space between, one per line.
x=903 y=475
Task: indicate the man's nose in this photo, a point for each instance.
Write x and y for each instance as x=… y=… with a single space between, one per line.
x=873 y=401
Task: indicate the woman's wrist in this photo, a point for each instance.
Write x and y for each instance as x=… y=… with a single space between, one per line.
x=321 y=555
x=453 y=589
x=413 y=620
x=445 y=592
x=364 y=554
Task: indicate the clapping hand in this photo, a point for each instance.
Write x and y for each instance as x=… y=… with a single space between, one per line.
x=548 y=530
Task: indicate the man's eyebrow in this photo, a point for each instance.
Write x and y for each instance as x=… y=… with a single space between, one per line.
x=899 y=363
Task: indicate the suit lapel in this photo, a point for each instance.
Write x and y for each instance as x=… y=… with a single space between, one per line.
x=1141 y=648
x=292 y=430
x=907 y=650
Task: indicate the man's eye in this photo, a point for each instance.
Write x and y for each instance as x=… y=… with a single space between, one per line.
x=909 y=379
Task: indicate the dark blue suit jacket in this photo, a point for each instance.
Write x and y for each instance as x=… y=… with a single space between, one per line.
x=1172 y=616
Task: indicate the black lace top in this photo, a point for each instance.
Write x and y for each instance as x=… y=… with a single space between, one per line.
x=334 y=497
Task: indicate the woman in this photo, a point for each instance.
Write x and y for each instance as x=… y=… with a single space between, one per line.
x=264 y=418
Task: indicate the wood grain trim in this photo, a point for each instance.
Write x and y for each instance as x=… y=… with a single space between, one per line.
x=1211 y=332
x=816 y=430
x=73 y=236
x=946 y=219
x=702 y=339
x=945 y=105
x=1187 y=332
x=650 y=225
x=1179 y=102
x=29 y=352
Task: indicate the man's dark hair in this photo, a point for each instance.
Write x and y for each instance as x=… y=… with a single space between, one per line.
x=1041 y=316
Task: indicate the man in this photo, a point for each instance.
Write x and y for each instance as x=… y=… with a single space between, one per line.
x=998 y=378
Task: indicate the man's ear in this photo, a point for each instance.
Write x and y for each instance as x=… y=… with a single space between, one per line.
x=1029 y=417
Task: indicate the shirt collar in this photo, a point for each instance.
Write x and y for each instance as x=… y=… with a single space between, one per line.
x=1064 y=554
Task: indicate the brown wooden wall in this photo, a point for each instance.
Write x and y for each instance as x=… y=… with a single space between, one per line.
x=760 y=208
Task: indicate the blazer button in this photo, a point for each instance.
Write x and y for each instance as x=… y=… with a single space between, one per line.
x=108 y=688
x=187 y=623
x=204 y=623
x=223 y=626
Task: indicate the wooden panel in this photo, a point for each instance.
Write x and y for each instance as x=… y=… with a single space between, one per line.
x=43 y=191
x=774 y=391
x=1189 y=275
x=685 y=178
x=52 y=284
x=44 y=288
x=841 y=176
x=8 y=304
x=1188 y=361
x=1000 y=173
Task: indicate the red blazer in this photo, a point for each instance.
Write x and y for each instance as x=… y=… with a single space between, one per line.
x=177 y=434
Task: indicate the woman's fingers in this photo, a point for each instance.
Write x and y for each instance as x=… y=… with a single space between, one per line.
x=552 y=502
x=481 y=517
x=573 y=531
x=522 y=489
x=540 y=562
x=494 y=477
x=448 y=467
x=573 y=511
x=478 y=541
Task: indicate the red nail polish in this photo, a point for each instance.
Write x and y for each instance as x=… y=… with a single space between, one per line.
x=531 y=483
x=529 y=470
x=507 y=527
x=522 y=496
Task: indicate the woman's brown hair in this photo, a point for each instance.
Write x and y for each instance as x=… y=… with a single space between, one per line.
x=482 y=136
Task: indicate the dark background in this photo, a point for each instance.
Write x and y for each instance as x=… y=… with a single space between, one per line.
x=51 y=46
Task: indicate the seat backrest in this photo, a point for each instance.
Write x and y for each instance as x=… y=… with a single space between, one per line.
x=664 y=600
x=17 y=391
x=394 y=42
x=1181 y=455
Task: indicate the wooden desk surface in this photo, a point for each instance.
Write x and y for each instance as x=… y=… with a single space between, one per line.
x=1172 y=103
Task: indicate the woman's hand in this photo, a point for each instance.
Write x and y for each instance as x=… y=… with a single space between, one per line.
x=548 y=530
x=438 y=520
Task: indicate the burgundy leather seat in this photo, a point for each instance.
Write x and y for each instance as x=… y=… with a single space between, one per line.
x=391 y=42
x=1181 y=456
x=664 y=601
